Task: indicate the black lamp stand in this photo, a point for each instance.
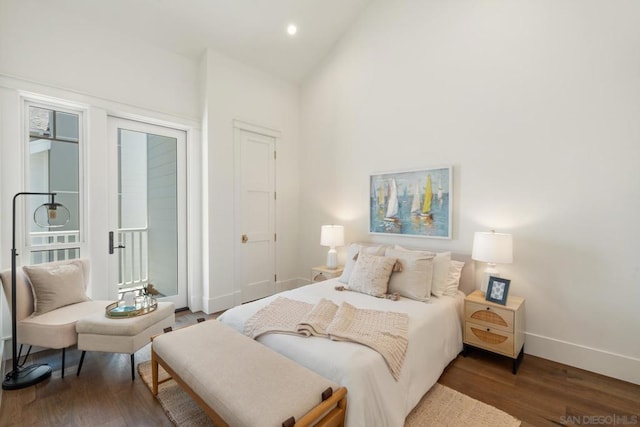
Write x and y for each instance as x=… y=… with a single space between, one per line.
x=30 y=375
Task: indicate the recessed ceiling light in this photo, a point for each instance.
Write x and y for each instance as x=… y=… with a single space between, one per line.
x=292 y=29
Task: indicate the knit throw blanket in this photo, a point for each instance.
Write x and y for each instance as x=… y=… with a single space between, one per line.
x=384 y=331
x=318 y=319
x=281 y=316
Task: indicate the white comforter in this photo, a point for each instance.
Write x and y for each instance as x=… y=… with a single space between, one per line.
x=374 y=398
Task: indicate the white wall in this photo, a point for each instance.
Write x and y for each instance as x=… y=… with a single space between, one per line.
x=235 y=91
x=44 y=44
x=536 y=105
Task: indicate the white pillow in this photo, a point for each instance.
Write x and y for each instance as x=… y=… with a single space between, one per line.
x=414 y=280
x=354 y=249
x=440 y=270
x=440 y=273
x=453 y=281
x=371 y=274
x=55 y=286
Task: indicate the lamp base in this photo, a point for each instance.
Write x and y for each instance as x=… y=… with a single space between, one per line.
x=332 y=259
x=26 y=377
x=491 y=270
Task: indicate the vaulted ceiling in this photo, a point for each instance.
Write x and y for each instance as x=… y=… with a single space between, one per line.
x=251 y=31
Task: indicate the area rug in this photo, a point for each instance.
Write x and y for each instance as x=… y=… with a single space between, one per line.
x=441 y=406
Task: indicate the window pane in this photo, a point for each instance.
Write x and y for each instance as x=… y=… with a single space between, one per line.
x=63 y=167
x=40 y=122
x=54 y=167
x=41 y=257
x=66 y=126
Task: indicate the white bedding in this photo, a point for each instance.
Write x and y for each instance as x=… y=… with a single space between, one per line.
x=374 y=398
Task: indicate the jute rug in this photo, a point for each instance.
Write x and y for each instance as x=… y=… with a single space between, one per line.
x=441 y=406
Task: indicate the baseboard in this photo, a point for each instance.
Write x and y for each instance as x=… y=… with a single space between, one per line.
x=195 y=303
x=219 y=303
x=613 y=365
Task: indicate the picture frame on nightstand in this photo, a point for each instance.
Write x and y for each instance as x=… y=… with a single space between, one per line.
x=498 y=290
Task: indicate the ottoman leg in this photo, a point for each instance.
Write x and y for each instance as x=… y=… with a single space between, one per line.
x=133 y=375
x=80 y=364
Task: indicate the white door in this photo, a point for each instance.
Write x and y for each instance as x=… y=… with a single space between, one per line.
x=147 y=206
x=255 y=214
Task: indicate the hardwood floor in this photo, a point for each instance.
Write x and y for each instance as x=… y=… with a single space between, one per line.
x=543 y=393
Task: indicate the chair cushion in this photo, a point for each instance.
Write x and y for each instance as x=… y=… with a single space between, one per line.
x=56 y=285
x=57 y=328
x=100 y=324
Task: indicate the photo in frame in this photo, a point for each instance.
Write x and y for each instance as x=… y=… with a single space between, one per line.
x=415 y=203
x=498 y=290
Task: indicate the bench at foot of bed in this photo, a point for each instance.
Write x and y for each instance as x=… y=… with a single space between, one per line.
x=240 y=382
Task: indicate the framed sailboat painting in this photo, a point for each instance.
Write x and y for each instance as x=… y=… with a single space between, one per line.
x=413 y=203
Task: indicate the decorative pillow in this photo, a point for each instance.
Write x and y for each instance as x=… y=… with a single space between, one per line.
x=371 y=274
x=352 y=253
x=414 y=281
x=440 y=270
x=453 y=281
x=55 y=286
x=440 y=273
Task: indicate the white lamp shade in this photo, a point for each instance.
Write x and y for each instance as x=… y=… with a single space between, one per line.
x=491 y=247
x=332 y=235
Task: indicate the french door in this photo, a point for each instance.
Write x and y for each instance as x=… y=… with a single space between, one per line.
x=147 y=210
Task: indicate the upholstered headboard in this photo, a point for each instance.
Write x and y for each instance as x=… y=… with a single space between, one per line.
x=468 y=276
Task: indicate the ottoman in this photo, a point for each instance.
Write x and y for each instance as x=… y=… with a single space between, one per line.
x=97 y=332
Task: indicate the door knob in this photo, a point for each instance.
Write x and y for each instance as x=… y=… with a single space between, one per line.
x=245 y=238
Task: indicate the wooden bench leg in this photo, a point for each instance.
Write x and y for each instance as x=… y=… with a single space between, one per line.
x=154 y=372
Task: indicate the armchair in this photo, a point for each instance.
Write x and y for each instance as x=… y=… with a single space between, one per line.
x=55 y=328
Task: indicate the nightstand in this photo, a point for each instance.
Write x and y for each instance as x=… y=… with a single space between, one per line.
x=322 y=272
x=494 y=327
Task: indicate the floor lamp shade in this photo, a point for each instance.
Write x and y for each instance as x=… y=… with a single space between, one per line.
x=332 y=236
x=492 y=248
x=48 y=215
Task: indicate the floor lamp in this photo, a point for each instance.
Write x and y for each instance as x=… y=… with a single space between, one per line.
x=47 y=215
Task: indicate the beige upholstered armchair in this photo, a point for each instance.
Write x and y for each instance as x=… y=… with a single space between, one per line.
x=50 y=299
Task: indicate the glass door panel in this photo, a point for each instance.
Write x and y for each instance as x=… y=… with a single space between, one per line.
x=150 y=212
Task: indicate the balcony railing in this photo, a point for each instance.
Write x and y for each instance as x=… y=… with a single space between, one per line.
x=49 y=246
x=134 y=267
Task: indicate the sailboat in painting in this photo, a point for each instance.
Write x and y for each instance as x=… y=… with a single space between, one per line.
x=392 y=206
x=415 y=204
x=428 y=196
x=380 y=198
x=440 y=192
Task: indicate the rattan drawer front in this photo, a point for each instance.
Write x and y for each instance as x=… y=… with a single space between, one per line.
x=489 y=316
x=489 y=338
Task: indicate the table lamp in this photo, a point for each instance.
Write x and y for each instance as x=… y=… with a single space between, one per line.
x=332 y=236
x=492 y=248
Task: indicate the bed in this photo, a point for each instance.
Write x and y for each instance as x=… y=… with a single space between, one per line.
x=375 y=398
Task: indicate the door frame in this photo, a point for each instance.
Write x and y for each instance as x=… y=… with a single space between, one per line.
x=114 y=122
x=239 y=273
